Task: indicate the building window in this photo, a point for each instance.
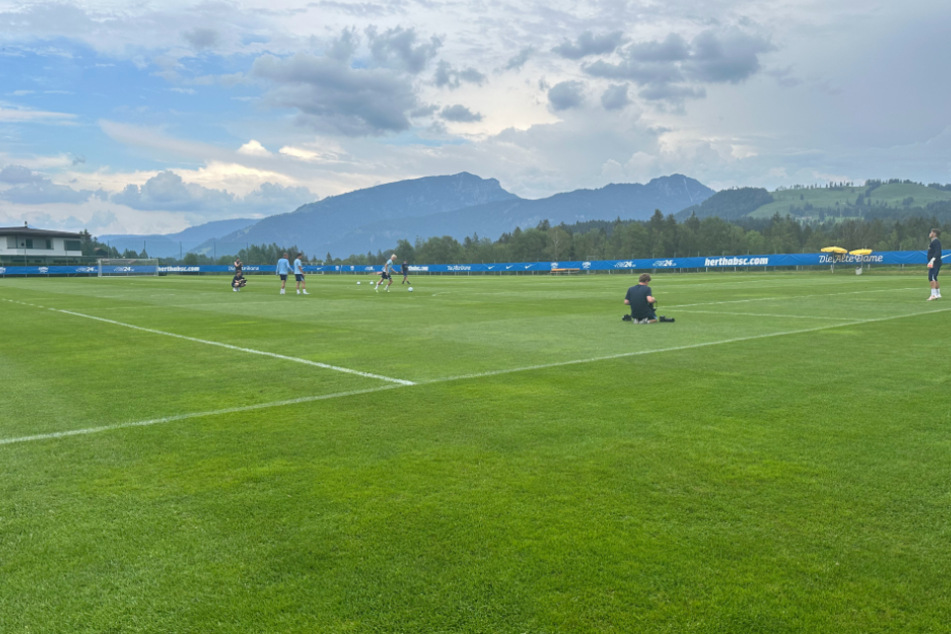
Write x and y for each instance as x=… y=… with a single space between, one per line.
x=74 y=245
x=29 y=243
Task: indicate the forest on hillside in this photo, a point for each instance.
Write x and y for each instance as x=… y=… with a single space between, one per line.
x=660 y=237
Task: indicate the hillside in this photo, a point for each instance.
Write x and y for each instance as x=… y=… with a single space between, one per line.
x=175 y=244
x=458 y=206
x=851 y=202
x=729 y=204
x=890 y=201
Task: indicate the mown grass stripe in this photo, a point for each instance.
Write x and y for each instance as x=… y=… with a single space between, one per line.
x=274 y=355
x=692 y=346
x=190 y=415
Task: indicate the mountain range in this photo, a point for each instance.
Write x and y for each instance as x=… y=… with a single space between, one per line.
x=459 y=205
x=176 y=244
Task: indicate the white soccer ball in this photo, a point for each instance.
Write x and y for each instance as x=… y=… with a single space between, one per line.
x=358 y=283
x=410 y=289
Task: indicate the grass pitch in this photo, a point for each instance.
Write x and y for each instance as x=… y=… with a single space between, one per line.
x=485 y=454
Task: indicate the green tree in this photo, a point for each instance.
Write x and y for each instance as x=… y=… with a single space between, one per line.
x=443 y=250
x=628 y=240
x=590 y=245
x=405 y=251
x=559 y=244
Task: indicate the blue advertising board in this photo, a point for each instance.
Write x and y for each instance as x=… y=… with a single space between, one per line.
x=914 y=258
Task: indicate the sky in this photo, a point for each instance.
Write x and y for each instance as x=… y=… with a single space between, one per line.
x=124 y=117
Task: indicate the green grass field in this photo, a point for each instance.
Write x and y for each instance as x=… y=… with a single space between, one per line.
x=485 y=454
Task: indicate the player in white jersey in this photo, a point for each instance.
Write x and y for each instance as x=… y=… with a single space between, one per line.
x=386 y=274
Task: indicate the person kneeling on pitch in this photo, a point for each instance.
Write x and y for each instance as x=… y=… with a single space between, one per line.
x=642 y=303
x=238 y=281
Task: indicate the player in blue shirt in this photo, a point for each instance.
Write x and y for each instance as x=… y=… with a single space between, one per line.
x=299 y=275
x=386 y=274
x=283 y=270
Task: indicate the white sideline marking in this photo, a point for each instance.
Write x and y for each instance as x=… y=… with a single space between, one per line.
x=274 y=355
x=788 y=297
x=177 y=417
x=723 y=312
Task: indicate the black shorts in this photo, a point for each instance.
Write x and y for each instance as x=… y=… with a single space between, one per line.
x=299 y=277
x=384 y=275
x=933 y=272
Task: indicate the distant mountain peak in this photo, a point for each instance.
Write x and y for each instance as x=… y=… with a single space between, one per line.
x=456 y=205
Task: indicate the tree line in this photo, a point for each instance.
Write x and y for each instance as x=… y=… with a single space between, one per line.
x=660 y=237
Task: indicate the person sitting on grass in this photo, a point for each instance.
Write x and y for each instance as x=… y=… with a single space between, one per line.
x=238 y=281
x=642 y=302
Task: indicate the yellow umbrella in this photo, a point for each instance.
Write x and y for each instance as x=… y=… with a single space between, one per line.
x=861 y=252
x=833 y=250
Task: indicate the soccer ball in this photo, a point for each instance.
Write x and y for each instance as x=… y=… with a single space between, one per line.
x=358 y=283
x=410 y=289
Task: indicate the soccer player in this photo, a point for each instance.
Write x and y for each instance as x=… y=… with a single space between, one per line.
x=405 y=271
x=934 y=263
x=299 y=275
x=283 y=269
x=386 y=274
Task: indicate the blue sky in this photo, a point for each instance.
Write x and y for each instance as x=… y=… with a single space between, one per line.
x=151 y=117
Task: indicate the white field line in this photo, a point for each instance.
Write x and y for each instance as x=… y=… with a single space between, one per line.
x=273 y=355
x=723 y=312
x=788 y=297
x=177 y=417
x=168 y=419
x=622 y=355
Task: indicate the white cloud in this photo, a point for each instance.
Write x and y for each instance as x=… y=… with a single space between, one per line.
x=253 y=148
x=26 y=115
